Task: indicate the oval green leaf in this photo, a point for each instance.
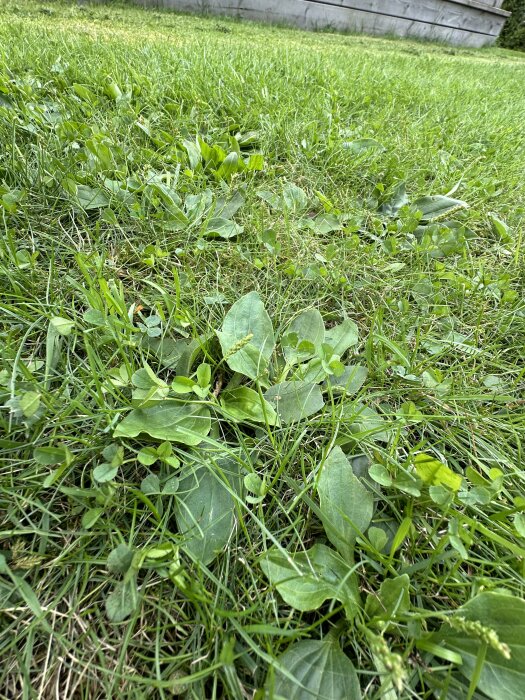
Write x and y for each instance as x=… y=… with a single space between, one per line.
x=169 y=420
x=104 y=472
x=306 y=579
x=314 y=670
x=342 y=337
x=205 y=510
x=295 y=400
x=245 y=404
x=119 y=559
x=346 y=504
x=307 y=326
x=436 y=205
x=122 y=600
x=247 y=338
x=500 y=676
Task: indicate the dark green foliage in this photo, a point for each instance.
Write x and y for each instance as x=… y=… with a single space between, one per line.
x=513 y=33
x=262 y=339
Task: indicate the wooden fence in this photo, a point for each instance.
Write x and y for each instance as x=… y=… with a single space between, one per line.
x=462 y=22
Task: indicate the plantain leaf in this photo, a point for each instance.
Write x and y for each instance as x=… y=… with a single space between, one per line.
x=295 y=400
x=309 y=327
x=314 y=670
x=351 y=380
x=168 y=420
x=230 y=165
x=90 y=198
x=244 y=403
x=360 y=146
x=122 y=600
x=436 y=205
x=306 y=579
x=223 y=228
x=205 y=508
x=293 y=199
x=324 y=224
x=500 y=677
x=393 y=598
x=247 y=338
x=398 y=199
x=342 y=337
x=227 y=208
x=346 y=505
x=364 y=422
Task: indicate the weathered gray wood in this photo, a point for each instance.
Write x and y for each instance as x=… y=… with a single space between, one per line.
x=494 y=3
x=463 y=14
x=461 y=22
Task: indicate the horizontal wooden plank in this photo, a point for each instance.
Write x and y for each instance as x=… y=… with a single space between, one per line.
x=449 y=13
x=309 y=14
x=420 y=8
x=491 y=5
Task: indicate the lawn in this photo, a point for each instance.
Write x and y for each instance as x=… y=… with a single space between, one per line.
x=262 y=361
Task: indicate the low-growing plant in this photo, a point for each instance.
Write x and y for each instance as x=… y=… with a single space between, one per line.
x=261 y=361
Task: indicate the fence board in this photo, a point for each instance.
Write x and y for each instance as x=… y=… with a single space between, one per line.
x=461 y=22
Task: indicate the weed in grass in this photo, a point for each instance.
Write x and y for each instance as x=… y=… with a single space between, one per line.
x=261 y=361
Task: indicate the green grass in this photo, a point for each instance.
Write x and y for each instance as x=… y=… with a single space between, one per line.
x=440 y=313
